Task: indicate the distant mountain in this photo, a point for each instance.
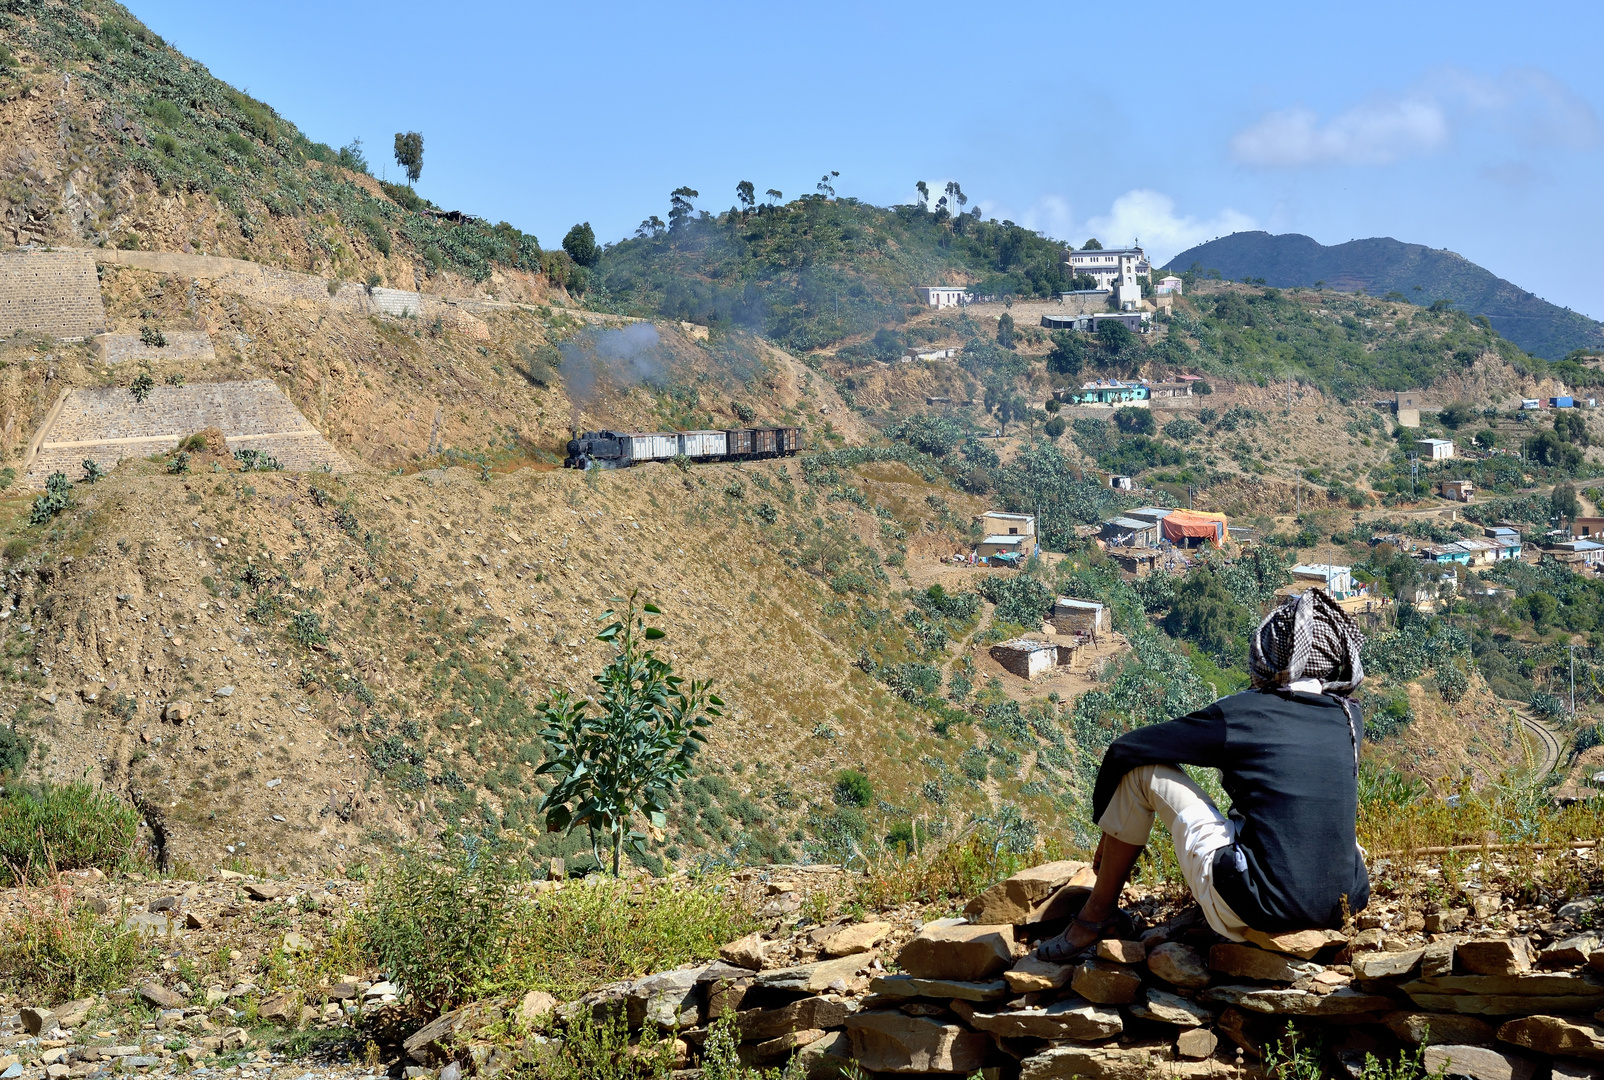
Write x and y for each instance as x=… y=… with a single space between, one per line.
x=1381 y=265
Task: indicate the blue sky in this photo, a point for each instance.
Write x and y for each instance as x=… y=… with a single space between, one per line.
x=1466 y=126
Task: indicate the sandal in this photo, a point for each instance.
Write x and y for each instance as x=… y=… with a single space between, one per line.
x=1057 y=950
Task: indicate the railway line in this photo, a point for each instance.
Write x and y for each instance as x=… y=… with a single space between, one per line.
x=1544 y=738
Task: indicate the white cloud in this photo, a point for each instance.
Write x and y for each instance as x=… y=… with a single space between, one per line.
x=1050 y=215
x=1527 y=105
x=1149 y=216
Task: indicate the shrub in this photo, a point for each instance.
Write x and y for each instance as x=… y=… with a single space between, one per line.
x=14 y=750
x=63 y=827
x=52 y=953
x=306 y=629
x=377 y=233
x=853 y=788
x=142 y=385
x=153 y=337
x=1019 y=599
x=179 y=465
x=57 y=497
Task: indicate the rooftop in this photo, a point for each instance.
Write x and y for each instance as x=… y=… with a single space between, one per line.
x=1026 y=645
x=1321 y=569
x=1069 y=601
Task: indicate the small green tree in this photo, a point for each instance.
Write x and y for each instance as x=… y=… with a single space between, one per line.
x=409 y=154
x=621 y=763
x=680 y=206
x=1005 y=331
x=580 y=243
x=142 y=385
x=746 y=192
x=1563 y=501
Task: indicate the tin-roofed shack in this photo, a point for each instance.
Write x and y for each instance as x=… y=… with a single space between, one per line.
x=1029 y=658
x=1072 y=616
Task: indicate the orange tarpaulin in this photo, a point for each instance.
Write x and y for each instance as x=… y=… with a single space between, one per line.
x=1183 y=525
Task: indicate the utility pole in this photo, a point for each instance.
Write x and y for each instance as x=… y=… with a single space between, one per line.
x=1573 y=683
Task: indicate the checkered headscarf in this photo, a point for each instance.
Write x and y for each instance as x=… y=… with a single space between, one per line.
x=1307 y=637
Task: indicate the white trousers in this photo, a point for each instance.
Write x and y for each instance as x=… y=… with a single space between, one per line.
x=1195 y=823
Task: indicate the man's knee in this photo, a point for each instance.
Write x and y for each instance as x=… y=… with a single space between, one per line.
x=1129 y=816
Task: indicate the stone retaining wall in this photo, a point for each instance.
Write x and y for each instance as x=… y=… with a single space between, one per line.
x=181 y=345
x=108 y=425
x=54 y=293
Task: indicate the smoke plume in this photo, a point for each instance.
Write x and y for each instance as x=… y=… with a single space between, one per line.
x=595 y=359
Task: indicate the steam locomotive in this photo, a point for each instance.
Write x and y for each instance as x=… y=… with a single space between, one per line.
x=621 y=449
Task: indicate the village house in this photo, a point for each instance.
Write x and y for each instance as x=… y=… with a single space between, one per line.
x=1443 y=553
x=1336 y=580
x=1108 y=392
x=1072 y=616
x=1457 y=490
x=995 y=522
x=1436 y=449
x=1029 y=658
x=1129 y=532
x=1577 y=552
x=1482 y=552
x=1587 y=526
x=1406 y=407
x=1121 y=483
x=943 y=296
x=1168 y=286
x=1134 y=321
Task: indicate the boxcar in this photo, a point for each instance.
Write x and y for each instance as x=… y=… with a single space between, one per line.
x=765 y=441
x=702 y=444
x=739 y=443
x=642 y=446
x=790 y=440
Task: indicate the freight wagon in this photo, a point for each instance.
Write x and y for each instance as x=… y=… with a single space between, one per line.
x=620 y=449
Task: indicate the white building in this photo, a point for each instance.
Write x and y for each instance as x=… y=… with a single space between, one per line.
x=1116 y=269
x=1168 y=286
x=1436 y=449
x=1336 y=580
x=943 y=296
x=995 y=523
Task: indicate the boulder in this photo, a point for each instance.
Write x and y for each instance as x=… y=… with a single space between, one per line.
x=535 y=1005
x=1440 y=1028
x=1140 y=1062
x=37 y=1021
x=1575 y=1070
x=824 y=1059
x=1166 y=1008
x=1477 y=1063
x=69 y=1014
x=1012 y=901
x=815 y=978
x=668 y=1000
x=161 y=997
x=890 y=1041
x=1303 y=944
x=757 y=1025
x=178 y=711
x=1195 y=1044
x=946 y=949
x=1446 y=921
x=747 y=952
x=1121 y=952
x=906 y=986
x=1249 y=962
x=854 y=939
x=434 y=1043
x=1071 y=1018
x=1571 y=951
x=1486 y=904
x=1560 y=1036
x=1031 y=974
x=1494 y=956
x=1386 y=965
x=265 y=890
x=1179 y=965
x=1106 y=984
x=282 y=1008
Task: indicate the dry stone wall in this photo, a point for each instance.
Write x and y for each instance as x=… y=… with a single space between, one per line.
x=193 y=345
x=108 y=425
x=54 y=293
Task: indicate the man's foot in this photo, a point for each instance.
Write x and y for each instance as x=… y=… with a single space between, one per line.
x=1082 y=935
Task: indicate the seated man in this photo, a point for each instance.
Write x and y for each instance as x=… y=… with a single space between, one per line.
x=1288 y=749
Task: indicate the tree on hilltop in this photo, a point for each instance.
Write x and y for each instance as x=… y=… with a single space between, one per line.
x=747 y=194
x=774 y=195
x=1091 y=245
x=826 y=188
x=580 y=243
x=924 y=193
x=680 y=208
x=409 y=154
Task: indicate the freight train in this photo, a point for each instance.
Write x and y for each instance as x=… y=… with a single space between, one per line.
x=621 y=449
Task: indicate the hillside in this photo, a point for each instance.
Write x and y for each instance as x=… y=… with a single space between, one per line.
x=1382 y=265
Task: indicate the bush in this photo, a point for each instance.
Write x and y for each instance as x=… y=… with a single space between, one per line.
x=377 y=233
x=1019 y=599
x=306 y=629
x=54 y=954
x=57 y=497
x=853 y=788
x=63 y=827
x=1134 y=421
x=14 y=751
x=1054 y=428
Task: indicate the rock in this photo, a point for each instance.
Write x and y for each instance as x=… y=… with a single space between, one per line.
x=747 y=952
x=295 y=944
x=854 y=939
x=159 y=996
x=223 y=691
x=948 y=949
x=757 y=1025
x=906 y=986
x=265 y=890
x=1012 y=901
x=1071 y=1018
x=1303 y=944
x=1121 y=952
x=36 y=1021
x=1105 y=983
x=148 y=924
x=1385 y=965
x=1570 y=952
x=1486 y=904
x=432 y=1044
x=815 y=978
x=1031 y=974
x=604 y=1005
x=194 y=920
x=1179 y=965
x=724 y=987
x=1140 y=1062
x=70 y=1014
x=1167 y=1008
x=1446 y=921
x=669 y=999
x=165 y=903
x=1248 y=962
x=1368 y=940
x=776 y=1050
x=1507 y=995
x=1575 y=1070
x=893 y=1042
x=1196 y=1044
x=178 y=711
x=824 y=1059
x=1560 y=1036
x=1477 y=1063
x=280 y=1008
x=1440 y=1028
x=1438 y=958
x=1259 y=999
x=1574 y=910
x=535 y=1005
x=1494 y=956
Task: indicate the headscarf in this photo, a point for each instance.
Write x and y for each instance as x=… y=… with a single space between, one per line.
x=1307 y=637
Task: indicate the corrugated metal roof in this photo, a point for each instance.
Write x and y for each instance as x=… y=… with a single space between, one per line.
x=1008 y=538
x=1067 y=601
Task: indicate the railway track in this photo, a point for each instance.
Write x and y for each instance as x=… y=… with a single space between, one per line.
x=1545 y=739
